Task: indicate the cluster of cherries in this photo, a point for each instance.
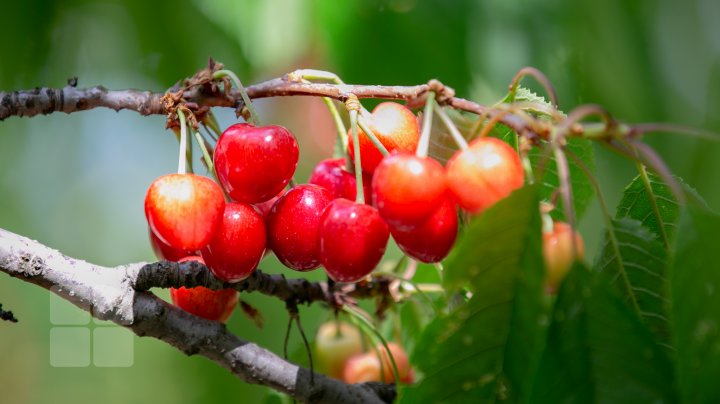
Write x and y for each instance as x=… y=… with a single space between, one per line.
x=341 y=354
x=322 y=223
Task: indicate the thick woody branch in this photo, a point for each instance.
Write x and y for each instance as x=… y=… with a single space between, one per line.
x=110 y=294
x=70 y=99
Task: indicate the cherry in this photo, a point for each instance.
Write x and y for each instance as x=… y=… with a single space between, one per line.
x=238 y=244
x=353 y=238
x=216 y=305
x=164 y=251
x=254 y=163
x=264 y=207
x=489 y=170
x=407 y=189
x=334 y=344
x=293 y=225
x=559 y=253
x=183 y=210
x=333 y=175
x=396 y=128
x=367 y=367
x=432 y=240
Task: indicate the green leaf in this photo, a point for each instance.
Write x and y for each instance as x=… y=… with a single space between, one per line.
x=650 y=201
x=489 y=345
x=695 y=280
x=582 y=189
x=597 y=351
x=637 y=263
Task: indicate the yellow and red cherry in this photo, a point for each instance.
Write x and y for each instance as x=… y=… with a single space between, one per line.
x=561 y=248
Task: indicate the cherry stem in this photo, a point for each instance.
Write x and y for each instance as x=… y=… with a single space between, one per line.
x=318 y=75
x=370 y=330
x=356 y=149
x=424 y=143
x=371 y=135
x=454 y=132
x=206 y=154
x=254 y=117
x=182 y=156
x=212 y=123
x=341 y=143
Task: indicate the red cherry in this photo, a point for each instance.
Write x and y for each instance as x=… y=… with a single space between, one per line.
x=395 y=126
x=432 y=240
x=353 y=238
x=238 y=244
x=183 y=210
x=216 y=305
x=253 y=163
x=407 y=189
x=165 y=252
x=293 y=225
x=488 y=171
x=333 y=175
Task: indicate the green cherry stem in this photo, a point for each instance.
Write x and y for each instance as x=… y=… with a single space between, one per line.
x=356 y=148
x=246 y=99
x=454 y=132
x=182 y=154
x=206 y=154
x=212 y=123
x=318 y=75
x=341 y=143
x=370 y=134
x=424 y=142
x=370 y=330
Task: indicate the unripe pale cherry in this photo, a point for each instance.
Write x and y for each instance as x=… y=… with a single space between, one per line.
x=353 y=238
x=184 y=210
x=395 y=126
x=432 y=240
x=375 y=366
x=408 y=189
x=486 y=172
x=335 y=343
x=215 y=305
x=254 y=163
x=293 y=226
x=559 y=253
x=238 y=244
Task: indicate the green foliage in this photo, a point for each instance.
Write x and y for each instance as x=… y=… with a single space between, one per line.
x=696 y=307
x=597 y=351
x=488 y=344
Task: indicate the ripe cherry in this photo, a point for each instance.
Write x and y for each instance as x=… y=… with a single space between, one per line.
x=489 y=170
x=353 y=238
x=184 y=210
x=293 y=225
x=238 y=244
x=165 y=252
x=432 y=240
x=216 y=305
x=254 y=163
x=395 y=126
x=407 y=189
x=334 y=344
x=559 y=253
x=333 y=175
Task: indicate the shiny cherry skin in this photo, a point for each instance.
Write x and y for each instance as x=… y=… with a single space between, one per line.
x=215 y=305
x=238 y=244
x=333 y=175
x=432 y=240
x=184 y=210
x=488 y=171
x=293 y=226
x=407 y=189
x=165 y=252
x=335 y=343
x=353 y=238
x=559 y=253
x=395 y=126
x=255 y=163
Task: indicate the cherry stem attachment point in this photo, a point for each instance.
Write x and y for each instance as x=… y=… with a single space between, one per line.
x=182 y=157
x=254 y=117
x=454 y=132
x=360 y=198
x=424 y=142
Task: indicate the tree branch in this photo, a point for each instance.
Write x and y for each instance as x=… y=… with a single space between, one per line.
x=110 y=294
x=70 y=99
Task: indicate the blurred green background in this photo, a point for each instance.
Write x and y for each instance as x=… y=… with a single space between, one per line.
x=77 y=182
